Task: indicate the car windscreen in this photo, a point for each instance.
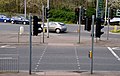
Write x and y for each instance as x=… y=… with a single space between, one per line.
x=62 y=24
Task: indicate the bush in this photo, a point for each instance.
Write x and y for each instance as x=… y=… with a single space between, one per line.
x=62 y=16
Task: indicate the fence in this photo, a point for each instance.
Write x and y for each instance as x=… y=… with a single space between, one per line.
x=9 y=63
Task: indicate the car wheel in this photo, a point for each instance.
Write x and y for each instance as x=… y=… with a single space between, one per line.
x=57 y=30
x=12 y=22
x=24 y=23
x=5 y=21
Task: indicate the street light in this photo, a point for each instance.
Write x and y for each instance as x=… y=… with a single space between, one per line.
x=25 y=8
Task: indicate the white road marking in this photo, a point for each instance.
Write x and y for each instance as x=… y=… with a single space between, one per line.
x=111 y=50
x=7 y=46
x=116 y=48
x=40 y=58
x=77 y=58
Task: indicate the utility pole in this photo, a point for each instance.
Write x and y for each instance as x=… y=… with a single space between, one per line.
x=48 y=3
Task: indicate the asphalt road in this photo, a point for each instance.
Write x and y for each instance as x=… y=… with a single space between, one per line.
x=71 y=30
x=67 y=57
x=64 y=54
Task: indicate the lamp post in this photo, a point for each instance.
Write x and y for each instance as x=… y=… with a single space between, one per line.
x=25 y=8
x=106 y=6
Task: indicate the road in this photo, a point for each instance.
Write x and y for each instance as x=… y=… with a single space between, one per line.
x=67 y=57
x=61 y=51
x=71 y=31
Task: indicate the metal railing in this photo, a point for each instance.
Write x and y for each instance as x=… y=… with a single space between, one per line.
x=9 y=63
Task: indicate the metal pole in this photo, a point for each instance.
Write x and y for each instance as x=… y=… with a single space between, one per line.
x=18 y=37
x=30 y=63
x=97 y=13
x=106 y=11
x=108 y=24
x=48 y=19
x=43 y=20
x=79 y=23
x=97 y=9
x=25 y=8
x=92 y=43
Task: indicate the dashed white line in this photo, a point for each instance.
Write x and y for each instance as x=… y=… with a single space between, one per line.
x=78 y=63
x=111 y=50
x=37 y=65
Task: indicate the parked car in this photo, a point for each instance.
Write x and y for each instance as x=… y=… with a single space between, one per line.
x=4 y=18
x=19 y=20
x=56 y=27
x=115 y=21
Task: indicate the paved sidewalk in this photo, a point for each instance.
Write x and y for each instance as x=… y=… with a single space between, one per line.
x=13 y=38
x=55 y=73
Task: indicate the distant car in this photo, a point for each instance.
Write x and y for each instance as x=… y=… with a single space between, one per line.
x=56 y=27
x=19 y=20
x=115 y=21
x=4 y=18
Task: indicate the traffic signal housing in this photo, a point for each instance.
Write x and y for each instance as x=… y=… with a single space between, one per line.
x=88 y=22
x=36 y=26
x=47 y=13
x=77 y=13
x=84 y=13
x=98 y=28
x=112 y=12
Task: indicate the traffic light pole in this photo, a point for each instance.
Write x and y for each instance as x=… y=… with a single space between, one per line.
x=92 y=44
x=30 y=34
x=48 y=19
x=79 y=23
x=108 y=24
x=96 y=12
x=43 y=20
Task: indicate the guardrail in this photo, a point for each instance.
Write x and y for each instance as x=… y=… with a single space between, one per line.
x=9 y=63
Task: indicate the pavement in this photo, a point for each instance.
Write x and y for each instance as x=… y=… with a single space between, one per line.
x=60 y=73
x=14 y=38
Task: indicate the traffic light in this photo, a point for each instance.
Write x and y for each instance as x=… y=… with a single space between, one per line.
x=98 y=28
x=88 y=22
x=112 y=12
x=83 y=13
x=36 y=26
x=77 y=13
x=47 y=12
